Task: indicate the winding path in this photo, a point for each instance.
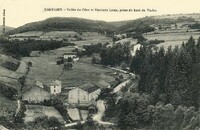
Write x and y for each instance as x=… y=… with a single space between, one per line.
x=98 y=116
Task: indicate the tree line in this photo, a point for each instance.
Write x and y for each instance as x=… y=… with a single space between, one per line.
x=24 y=48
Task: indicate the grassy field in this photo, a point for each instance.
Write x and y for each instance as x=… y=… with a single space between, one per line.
x=34 y=111
x=7 y=74
x=92 y=38
x=173 y=39
x=44 y=69
x=61 y=33
x=28 y=34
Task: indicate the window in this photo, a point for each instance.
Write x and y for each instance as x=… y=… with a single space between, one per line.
x=84 y=97
x=54 y=90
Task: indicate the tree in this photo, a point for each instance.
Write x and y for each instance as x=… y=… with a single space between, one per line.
x=53 y=123
x=67 y=66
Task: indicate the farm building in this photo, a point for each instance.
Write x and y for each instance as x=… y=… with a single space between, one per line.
x=69 y=55
x=36 y=94
x=55 y=87
x=35 y=53
x=102 y=84
x=40 y=92
x=83 y=94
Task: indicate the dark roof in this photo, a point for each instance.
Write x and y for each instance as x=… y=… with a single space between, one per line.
x=39 y=85
x=89 y=87
x=102 y=84
x=69 y=53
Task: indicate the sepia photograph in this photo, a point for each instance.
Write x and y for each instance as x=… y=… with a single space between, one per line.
x=99 y=65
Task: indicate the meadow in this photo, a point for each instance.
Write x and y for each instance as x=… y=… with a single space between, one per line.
x=173 y=39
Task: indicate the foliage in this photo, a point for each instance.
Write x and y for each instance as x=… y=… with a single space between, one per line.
x=24 y=48
x=8 y=91
x=169 y=76
x=67 y=66
x=19 y=117
x=115 y=55
x=62 y=109
x=94 y=48
x=59 y=23
x=195 y=26
x=45 y=123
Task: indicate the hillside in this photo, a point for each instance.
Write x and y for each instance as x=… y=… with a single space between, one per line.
x=145 y=24
x=66 y=24
x=7 y=29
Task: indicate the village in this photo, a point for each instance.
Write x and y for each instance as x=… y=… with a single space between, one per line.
x=61 y=76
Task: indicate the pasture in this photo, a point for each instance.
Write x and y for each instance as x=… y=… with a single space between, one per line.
x=173 y=39
x=45 y=69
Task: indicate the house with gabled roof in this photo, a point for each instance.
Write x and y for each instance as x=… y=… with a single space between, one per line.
x=83 y=94
x=36 y=93
x=39 y=92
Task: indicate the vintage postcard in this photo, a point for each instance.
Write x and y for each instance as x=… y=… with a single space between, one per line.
x=99 y=65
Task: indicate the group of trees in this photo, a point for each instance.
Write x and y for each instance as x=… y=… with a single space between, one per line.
x=136 y=111
x=167 y=95
x=166 y=77
x=115 y=55
x=8 y=91
x=171 y=76
x=45 y=123
x=24 y=48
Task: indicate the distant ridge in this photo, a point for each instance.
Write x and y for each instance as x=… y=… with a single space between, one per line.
x=80 y=24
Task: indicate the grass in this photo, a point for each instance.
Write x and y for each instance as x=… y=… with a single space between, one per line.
x=60 y=33
x=45 y=70
x=26 y=34
x=92 y=38
x=34 y=111
x=173 y=39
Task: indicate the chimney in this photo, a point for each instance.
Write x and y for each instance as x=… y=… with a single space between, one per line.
x=4 y=14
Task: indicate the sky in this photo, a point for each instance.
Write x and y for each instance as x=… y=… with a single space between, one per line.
x=20 y=12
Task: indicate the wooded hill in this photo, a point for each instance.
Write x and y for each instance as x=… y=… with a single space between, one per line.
x=80 y=24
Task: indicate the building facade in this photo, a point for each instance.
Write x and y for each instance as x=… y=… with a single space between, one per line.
x=55 y=87
x=83 y=94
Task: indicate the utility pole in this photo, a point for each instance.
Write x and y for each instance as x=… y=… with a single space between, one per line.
x=4 y=15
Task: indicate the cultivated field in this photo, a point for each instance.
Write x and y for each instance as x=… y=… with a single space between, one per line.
x=34 y=111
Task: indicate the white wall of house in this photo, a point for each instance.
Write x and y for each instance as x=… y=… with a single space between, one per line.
x=66 y=56
x=55 y=89
x=78 y=95
x=35 y=94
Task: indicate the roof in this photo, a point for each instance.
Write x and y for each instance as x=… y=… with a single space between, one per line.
x=92 y=102
x=69 y=53
x=102 y=84
x=39 y=85
x=89 y=87
x=56 y=83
